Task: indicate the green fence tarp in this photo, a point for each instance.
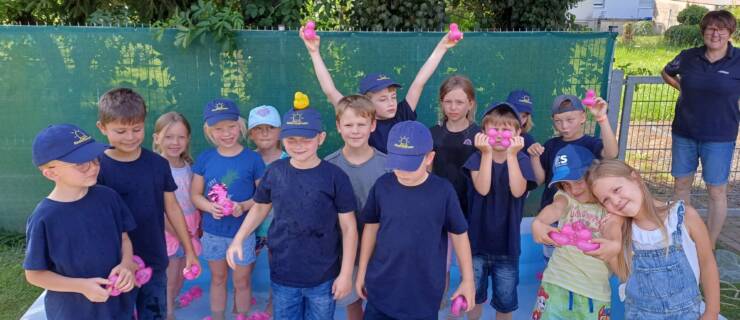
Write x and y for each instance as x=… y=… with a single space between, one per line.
x=56 y=74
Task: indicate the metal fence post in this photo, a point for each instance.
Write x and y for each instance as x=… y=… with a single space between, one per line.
x=624 y=122
x=614 y=96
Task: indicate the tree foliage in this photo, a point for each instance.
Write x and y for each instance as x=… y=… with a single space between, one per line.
x=516 y=14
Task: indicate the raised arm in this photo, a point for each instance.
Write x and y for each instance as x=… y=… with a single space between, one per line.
x=426 y=71
x=322 y=73
x=611 y=149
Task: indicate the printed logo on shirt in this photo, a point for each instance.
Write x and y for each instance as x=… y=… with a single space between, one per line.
x=403 y=143
x=467 y=142
x=723 y=72
x=81 y=137
x=297 y=120
x=219 y=107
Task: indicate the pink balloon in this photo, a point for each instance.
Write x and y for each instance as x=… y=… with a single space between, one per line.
x=589 y=100
x=112 y=286
x=504 y=135
x=309 y=32
x=455 y=33
x=458 y=305
x=191 y=273
x=576 y=234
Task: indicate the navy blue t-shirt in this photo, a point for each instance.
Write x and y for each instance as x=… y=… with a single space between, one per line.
x=379 y=137
x=528 y=141
x=552 y=146
x=142 y=184
x=707 y=108
x=495 y=218
x=305 y=238
x=452 y=149
x=406 y=273
x=239 y=174
x=80 y=239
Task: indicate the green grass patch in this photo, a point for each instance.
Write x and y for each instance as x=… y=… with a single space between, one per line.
x=16 y=295
x=730 y=300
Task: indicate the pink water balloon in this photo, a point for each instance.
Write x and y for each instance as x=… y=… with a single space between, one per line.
x=455 y=33
x=504 y=135
x=458 y=305
x=112 y=286
x=309 y=32
x=575 y=234
x=191 y=273
x=590 y=99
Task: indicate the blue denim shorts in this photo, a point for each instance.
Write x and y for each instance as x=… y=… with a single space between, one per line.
x=291 y=303
x=716 y=159
x=504 y=273
x=214 y=248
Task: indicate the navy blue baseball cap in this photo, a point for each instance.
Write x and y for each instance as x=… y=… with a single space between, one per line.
x=65 y=142
x=408 y=143
x=505 y=105
x=219 y=110
x=521 y=100
x=575 y=104
x=571 y=163
x=301 y=123
x=375 y=82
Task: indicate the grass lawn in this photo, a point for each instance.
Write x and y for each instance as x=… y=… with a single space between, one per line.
x=16 y=295
x=646 y=55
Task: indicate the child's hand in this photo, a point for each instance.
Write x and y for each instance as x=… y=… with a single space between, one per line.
x=467 y=290
x=447 y=43
x=598 y=110
x=192 y=260
x=481 y=142
x=238 y=209
x=125 y=275
x=541 y=233
x=608 y=249
x=92 y=289
x=360 y=286
x=342 y=286
x=235 y=249
x=216 y=211
x=536 y=150
x=311 y=45
x=517 y=143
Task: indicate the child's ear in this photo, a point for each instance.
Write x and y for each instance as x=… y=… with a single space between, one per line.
x=373 y=124
x=429 y=158
x=49 y=173
x=101 y=127
x=322 y=137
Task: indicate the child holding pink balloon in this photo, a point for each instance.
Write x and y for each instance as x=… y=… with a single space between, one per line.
x=224 y=181
x=172 y=141
x=575 y=284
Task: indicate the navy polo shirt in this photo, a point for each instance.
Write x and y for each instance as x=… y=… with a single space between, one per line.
x=528 y=141
x=142 y=184
x=496 y=217
x=379 y=137
x=707 y=108
x=305 y=238
x=406 y=273
x=238 y=173
x=80 y=239
x=552 y=146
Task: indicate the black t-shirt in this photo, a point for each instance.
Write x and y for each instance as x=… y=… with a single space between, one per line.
x=379 y=137
x=452 y=150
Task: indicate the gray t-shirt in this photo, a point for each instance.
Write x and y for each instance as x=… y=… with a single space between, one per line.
x=361 y=176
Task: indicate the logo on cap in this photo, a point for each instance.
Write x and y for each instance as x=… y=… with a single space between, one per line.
x=403 y=143
x=383 y=77
x=263 y=112
x=81 y=136
x=525 y=99
x=297 y=120
x=219 y=107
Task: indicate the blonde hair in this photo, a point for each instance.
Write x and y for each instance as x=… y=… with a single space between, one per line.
x=462 y=83
x=360 y=104
x=163 y=123
x=619 y=169
x=501 y=117
x=242 y=131
x=529 y=125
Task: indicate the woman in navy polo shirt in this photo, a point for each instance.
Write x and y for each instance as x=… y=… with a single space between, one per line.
x=707 y=113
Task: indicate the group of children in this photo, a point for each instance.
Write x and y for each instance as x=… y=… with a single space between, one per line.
x=376 y=220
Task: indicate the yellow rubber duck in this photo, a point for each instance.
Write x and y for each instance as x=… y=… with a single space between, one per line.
x=300 y=101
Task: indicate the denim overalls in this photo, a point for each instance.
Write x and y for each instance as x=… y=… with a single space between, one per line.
x=663 y=286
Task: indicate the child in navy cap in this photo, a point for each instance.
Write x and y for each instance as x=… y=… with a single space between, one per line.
x=77 y=236
x=313 y=236
x=500 y=175
x=575 y=284
x=408 y=217
x=523 y=102
x=381 y=89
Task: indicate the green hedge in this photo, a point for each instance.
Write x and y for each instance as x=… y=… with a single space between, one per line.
x=684 y=35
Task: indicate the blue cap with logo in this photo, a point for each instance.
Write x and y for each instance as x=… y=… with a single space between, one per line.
x=408 y=143
x=504 y=105
x=301 y=123
x=263 y=115
x=571 y=163
x=219 y=110
x=561 y=104
x=521 y=100
x=375 y=82
x=65 y=142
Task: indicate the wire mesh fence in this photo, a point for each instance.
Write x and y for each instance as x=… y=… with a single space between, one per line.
x=645 y=140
